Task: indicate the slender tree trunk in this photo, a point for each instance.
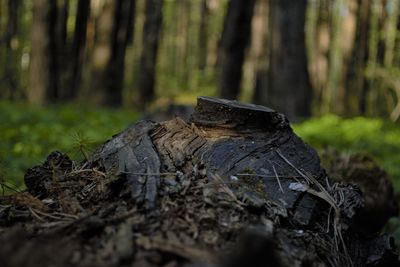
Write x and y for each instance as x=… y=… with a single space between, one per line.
x=234 y=41
x=258 y=55
x=10 y=80
x=371 y=98
x=356 y=82
x=1 y=15
x=151 y=32
x=286 y=87
x=182 y=38
x=109 y=53
x=12 y=22
x=203 y=35
x=78 y=48
x=391 y=33
x=40 y=65
x=102 y=54
x=396 y=56
x=318 y=59
x=348 y=33
x=58 y=48
x=122 y=34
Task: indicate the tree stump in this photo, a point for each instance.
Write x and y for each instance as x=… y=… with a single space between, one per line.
x=233 y=186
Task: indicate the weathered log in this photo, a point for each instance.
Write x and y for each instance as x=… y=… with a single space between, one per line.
x=235 y=179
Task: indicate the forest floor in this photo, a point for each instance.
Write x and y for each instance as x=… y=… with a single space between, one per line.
x=85 y=196
x=85 y=218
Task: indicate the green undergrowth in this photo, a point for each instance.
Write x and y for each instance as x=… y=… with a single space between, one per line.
x=28 y=134
x=376 y=137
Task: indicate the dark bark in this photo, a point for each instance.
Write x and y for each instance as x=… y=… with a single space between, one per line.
x=78 y=48
x=234 y=41
x=286 y=87
x=148 y=59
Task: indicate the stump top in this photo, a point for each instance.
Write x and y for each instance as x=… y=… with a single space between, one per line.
x=213 y=112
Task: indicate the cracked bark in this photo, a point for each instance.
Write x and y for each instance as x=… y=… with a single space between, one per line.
x=234 y=141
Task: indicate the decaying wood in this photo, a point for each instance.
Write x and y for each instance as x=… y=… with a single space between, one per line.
x=234 y=184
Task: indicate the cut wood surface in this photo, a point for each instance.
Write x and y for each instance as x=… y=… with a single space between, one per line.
x=233 y=185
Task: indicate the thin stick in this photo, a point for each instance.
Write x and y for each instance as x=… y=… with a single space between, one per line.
x=265 y=176
x=277 y=179
x=288 y=162
x=48 y=215
x=88 y=170
x=36 y=215
x=149 y=174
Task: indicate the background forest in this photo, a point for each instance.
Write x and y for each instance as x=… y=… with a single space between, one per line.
x=74 y=72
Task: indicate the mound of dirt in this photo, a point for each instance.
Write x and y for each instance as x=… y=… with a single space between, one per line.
x=233 y=186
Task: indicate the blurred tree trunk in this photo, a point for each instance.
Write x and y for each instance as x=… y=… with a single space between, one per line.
x=58 y=49
x=396 y=56
x=148 y=59
x=234 y=41
x=111 y=39
x=182 y=38
x=48 y=52
x=40 y=82
x=356 y=82
x=203 y=35
x=10 y=77
x=78 y=48
x=100 y=84
x=371 y=97
x=319 y=50
x=348 y=32
x=257 y=59
x=391 y=33
x=122 y=35
x=286 y=87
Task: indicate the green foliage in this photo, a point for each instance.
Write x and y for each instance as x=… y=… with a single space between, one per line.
x=377 y=137
x=28 y=134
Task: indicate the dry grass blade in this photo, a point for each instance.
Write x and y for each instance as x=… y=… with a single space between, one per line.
x=35 y=214
x=277 y=178
x=291 y=164
x=58 y=216
x=88 y=170
x=149 y=174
